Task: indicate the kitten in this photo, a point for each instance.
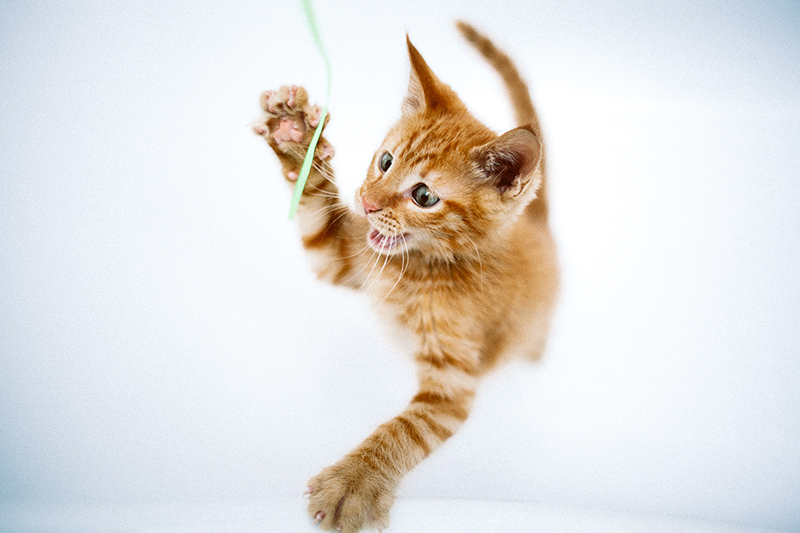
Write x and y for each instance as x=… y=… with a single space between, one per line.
x=450 y=236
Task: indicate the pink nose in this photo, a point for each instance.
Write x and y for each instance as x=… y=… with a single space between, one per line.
x=369 y=206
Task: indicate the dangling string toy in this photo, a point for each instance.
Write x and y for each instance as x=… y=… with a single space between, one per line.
x=309 y=159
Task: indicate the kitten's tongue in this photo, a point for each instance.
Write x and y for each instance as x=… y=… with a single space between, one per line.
x=379 y=240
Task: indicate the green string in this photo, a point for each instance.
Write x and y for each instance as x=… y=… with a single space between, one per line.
x=309 y=159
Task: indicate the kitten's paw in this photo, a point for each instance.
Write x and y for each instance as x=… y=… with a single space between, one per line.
x=349 y=496
x=289 y=121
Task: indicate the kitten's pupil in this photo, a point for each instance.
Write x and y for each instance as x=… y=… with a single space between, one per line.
x=423 y=196
x=385 y=161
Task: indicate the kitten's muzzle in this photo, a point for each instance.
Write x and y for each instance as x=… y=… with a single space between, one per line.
x=386 y=243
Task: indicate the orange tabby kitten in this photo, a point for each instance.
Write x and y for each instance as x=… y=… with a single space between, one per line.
x=450 y=235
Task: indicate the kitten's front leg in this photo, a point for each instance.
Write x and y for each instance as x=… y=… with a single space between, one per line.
x=358 y=491
x=329 y=231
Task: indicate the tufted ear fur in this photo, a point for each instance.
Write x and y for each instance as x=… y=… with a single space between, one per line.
x=425 y=91
x=510 y=162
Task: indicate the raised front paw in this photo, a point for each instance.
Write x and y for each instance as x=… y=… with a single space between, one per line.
x=289 y=121
x=349 y=496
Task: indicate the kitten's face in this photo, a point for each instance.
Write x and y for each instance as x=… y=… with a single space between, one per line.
x=441 y=182
x=422 y=191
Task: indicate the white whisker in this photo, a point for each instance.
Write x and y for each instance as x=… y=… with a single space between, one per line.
x=361 y=252
x=403 y=265
x=380 y=272
x=321 y=167
x=377 y=254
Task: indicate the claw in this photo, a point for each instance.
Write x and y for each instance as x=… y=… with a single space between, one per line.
x=318 y=518
x=325 y=151
x=292 y=96
x=268 y=95
x=314 y=116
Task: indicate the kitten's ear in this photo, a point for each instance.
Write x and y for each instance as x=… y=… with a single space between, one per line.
x=510 y=161
x=424 y=88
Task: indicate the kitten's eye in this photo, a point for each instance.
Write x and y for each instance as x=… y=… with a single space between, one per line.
x=385 y=161
x=423 y=196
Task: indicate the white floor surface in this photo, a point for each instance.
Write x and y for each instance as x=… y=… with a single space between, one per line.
x=288 y=515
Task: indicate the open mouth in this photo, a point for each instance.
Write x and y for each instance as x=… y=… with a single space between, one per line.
x=385 y=243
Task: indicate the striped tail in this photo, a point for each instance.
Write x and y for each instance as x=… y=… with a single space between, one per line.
x=524 y=111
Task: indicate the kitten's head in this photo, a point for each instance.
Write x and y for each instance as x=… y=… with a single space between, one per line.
x=442 y=183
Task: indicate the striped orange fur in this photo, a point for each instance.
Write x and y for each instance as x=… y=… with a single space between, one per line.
x=450 y=236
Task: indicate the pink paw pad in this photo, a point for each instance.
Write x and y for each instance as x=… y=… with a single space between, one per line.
x=291 y=99
x=325 y=151
x=266 y=99
x=313 y=116
x=288 y=131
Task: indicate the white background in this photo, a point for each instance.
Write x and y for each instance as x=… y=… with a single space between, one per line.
x=161 y=338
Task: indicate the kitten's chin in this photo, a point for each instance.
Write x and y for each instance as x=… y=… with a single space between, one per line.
x=385 y=243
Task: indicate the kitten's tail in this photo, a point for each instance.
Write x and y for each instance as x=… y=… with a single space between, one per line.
x=524 y=111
